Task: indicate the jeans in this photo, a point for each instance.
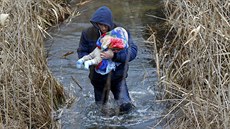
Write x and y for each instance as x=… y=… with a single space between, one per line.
x=118 y=87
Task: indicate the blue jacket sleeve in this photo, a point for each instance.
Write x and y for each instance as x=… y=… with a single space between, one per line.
x=127 y=54
x=83 y=48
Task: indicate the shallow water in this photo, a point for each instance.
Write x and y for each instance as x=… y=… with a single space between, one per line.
x=142 y=77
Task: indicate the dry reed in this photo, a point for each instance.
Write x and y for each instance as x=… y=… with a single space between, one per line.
x=28 y=91
x=194 y=67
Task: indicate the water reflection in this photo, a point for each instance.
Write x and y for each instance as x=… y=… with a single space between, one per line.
x=84 y=114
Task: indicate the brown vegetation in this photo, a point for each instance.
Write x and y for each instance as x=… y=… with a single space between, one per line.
x=28 y=92
x=194 y=67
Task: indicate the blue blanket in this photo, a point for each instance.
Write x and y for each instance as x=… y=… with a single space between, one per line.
x=120 y=40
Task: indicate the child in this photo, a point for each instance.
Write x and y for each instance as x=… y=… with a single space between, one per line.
x=115 y=40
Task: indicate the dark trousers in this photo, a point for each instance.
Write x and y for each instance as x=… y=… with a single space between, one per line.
x=118 y=87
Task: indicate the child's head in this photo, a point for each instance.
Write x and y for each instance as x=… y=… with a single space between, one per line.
x=105 y=41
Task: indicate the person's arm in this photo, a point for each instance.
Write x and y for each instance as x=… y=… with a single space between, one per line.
x=83 y=48
x=127 y=54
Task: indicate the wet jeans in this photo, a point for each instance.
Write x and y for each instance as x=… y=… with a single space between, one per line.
x=118 y=87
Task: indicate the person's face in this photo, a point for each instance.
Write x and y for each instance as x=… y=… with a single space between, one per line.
x=103 y=28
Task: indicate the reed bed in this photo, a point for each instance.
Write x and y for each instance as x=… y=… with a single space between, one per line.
x=28 y=91
x=194 y=66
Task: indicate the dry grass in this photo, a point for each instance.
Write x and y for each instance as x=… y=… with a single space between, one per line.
x=194 y=67
x=28 y=92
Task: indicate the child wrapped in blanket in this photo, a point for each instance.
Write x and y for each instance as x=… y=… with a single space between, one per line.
x=116 y=40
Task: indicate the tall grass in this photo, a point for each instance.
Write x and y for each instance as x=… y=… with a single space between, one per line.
x=28 y=91
x=194 y=67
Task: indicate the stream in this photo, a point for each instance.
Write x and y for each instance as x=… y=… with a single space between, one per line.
x=142 y=76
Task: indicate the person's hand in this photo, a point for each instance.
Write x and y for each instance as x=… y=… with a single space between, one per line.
x=107 y=54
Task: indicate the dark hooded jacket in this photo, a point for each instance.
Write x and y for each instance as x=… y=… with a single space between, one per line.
x=88 y=40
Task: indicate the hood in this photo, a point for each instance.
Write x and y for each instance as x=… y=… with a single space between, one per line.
x=104 y=16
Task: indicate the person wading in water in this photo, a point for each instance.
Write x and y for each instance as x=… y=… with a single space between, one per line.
x=114 y=81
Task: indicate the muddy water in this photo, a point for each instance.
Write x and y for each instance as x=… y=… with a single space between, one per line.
x=142 y=77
